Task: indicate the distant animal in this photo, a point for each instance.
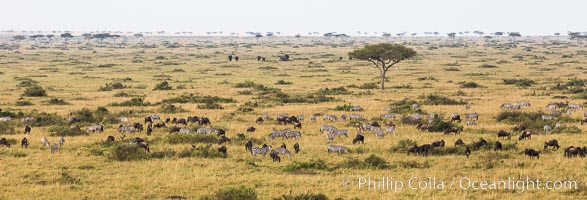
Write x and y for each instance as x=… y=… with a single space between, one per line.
x=293 y=134
x=506 y=106
x=4 y=142
x=251 y=129
x=338 y=149
x=205 y=121
x=547 y=117
x=340 y=132
x=584 y=120
x=344 y=116
x=61 y=141
x=574 y=152
x=551 y=143
x=283 y=146
x=45 y=141
x=259 y=120
x=123 y=119
x=282 y=150
x=184 y=130
x=455 y=117
x=547 y=128
x=452 y=130
x=249 y=146
x=480 y=143
x=422 y=127
x=160 y=125
x=472 y=116
x=261 y=150
x=222 y=149
x=413 y=149
x=141 y=143
x=126 y=129
x=220 y=132
x=110 y=138
x=379 y=133
x=313 y=118
x=439 y=143
x=274 y=156
x=236 y=58
x=297 y=147
x=229 y=58
x=27 y=130
x=223 y=139
x=138 y=126
x=526 y=135
x=5 y=119
x=326 y=128
x=95 y=128
x=459 y=142
x=387 y=115
x=204 y=130
x=54 y=148
x=300 y=117
x=467 y=152
x=149 y=130
x=532 y=153
x=390 y=129
x=520 y=128
x=467 y=106
x=424 y=149
x=503 y=134
x=297 y=125
x=497 y=146
x=359 y=138
x=356 y=108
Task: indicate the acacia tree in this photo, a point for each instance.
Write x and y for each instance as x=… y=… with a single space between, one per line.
x=17 y=39
x=452 y=36
x=383 y=56
x=514 y=35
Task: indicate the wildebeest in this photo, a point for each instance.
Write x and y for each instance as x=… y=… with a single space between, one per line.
x=229 y=58
x=520 y=128
x=297 y=147
x=283 y=146
x=54 y=148
x=359 y=138
x=24 y=143
x=424 y=149
x=452 y=130
x=274 y=156
x=337 y=149
x=439 y=143
x=220 y=132
x=149 y=130
x=459 y=142
x=160 y=125
x=497 y=146
x=249 y=146
x=138 y=126
x=110 y=138
x=526 y=135
x=259 y=120
x=205 y=121
x=223 y=139
x=455 y=117
x=284 y=58
x=467 y=152
x=181 y=121
x=574 y=151
x=4 y=142
x=479 y=143
x=532 y=153
x=141 y=142
x=503 y=134
x=413 y=149
x=251 y=129
x=551 y=143
x=584 y=120
x=222 y=149
x=422 y=127
x=236 y=58
x=297 y=125
x=27 y=130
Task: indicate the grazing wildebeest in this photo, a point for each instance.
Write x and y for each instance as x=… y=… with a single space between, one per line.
x=249 y=146
x=414 y=149
x=503 y=134
x=424 y=149
x=24 y=143
x=359 y=138
x=167 y=120
x=159 y=125
x=138 y=126
x=551 y=143
x=526 y=135
x=45 y=141
x=259 y=120
x=452 y=130
x=574 y=151
x=4 y=142
x=422 y=127
x=584 y=120
x=467 y=152
x=297 y=147
x=236 y=58
x=220 y=132
x=455 y=117
x=344 y=116
x=110 y=138
x=439 y=143
x=479 y=144
x=274 y=156
x=222 y=149
x=223 y=139
x=284 y=58
x=181 y=121
x=251 y=129
x=229 y=58
x=149 y=130
x=193 y=119
x=497 y=146
x=258 y=58
x=459 y=142
x=532 y=153
x=297 y=125
x=61 y=141
x=141 y=142
x=337 y=149
x=520 y=128
x=205 y=121
x=27 y=130
x=54 y=148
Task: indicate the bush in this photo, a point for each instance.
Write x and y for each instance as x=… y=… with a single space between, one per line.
x=440 y=100
x=306 y=196
x=519 y=82
x=366 y=86
x=24 y=103
x=46 y=119
x=344 y=107
x=189 y=139
x=7 y=128
x=317 y=164
x=402 y=146
x=65 y=131
x=438 y=125
x=127 y=152
x=170 y=108
x=487 y=66
x=210 y=105
x=333 y=91
x=85 y=115
x=56 y=101
x=137 y=101
x=376 y=162
x=191 y=98
x=230 y=193
x=201 y=151
x=27 y=82
x=35 y=91
x=576 y=83
x=283 y=82
x=163 y=86
x=469 y=85
x=401 y=107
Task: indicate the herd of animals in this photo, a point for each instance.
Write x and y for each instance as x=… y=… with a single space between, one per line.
x=154 y=122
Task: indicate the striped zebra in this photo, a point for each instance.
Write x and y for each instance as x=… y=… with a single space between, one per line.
x=293 y=134
x=313 y=118
x=54 y=148
x=472 y=116
x=300 y=117
x=344 y=116
x=337 y=149
x=585 y=114
x=547 y=128
x=415 y=106
x=516 y=106
x=557 y=125
x=154 y=117
x=61 y=141
x=95 y=128
x=204 y=130
x=525 y=104
x=326 y=128
x=379 y=133
x=569 y=112
x=126 y=129
x=555 y=113
x=330 y=117
x=366 y=126
x=283 y=151
x=45 y=141
x=387 y=115
x=27 y=119
x=575 y=107
x=124 y=120
x=390 y=129
x=506 y=106
x=551 y=106
x=278 y=133
x=340 y=132
x=330 y=135
x=470 y=122
x=356 y=108
x=357 y=117
x=261 y=150
x=185 y=130
x=547 y=117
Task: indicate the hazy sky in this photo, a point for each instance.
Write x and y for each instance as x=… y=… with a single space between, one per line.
x=531 y=17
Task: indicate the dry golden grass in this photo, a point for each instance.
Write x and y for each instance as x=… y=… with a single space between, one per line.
x=76 y=79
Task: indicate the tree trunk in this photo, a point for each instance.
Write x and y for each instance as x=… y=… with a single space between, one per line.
x=383 y=72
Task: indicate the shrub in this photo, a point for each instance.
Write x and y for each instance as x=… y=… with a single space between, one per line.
x=24 y=103
x=117 y=85
x=35 y=91
x=469 y=85
x=344 y=107
x=7 y=128
x=438 y=125
x=85 y=115
x=201 y=151
x=56 y=101
x=304 y=196
x=189 y=139
x=366 y=86
x=333 y=91
x=519 y=82
x=66 y=131
x=230 y=193
x=317 y=164
x=46 y=119
x=376 y=162
x=163 y=86
x=440 y=100
x=136 y=101
x=402 y=146
x=170 y=108
x=210 y=105
x=576 y=83
x=487 y=66
x=27 y=82
x=283 y=82
x=403 y=106
x=452 y=69
x=351 y=163
x=127 y=152
x=121 y=94
x=191 y=98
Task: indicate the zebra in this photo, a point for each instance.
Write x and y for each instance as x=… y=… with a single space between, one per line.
x=472 y=116
x=557 y=125
x=415 y=106
x=525 y=104
x=585 y=114
x=575 y=107
x=455 y=117
x=283 y=151
x=330 y=135
x=123 y=119
x=278 y=133
x=555 y=113
x=154 y=117
x=390 y=129
x=45 y=141
x=337 y=149
x=551 y=106
x=27 y=119
x=433 y=116
x=340 y=132
x=313 y=118
x=356 y=108
x=506 y=106
x=470 y=122
x=326 y=128
x=547 y=128
x=95 y=128
x=379 y=133
x=569 y=112
x=357 y=117
x=185 y=130
x=5 y=119
x=547 y=117
x=126 y=129
x=468 y=106
x=293 y=134
x=61 y=141
x=367 y=126
x=516 y=106
x=344 y=116
x=265 y=117
x=387 y=115
x=330 y=117
x=54 y=148
x=300 y=117
x=204 y=130
x=261 y=150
